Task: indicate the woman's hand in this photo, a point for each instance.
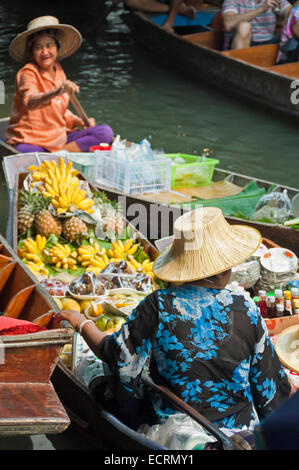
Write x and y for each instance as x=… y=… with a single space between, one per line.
x=72 y=316
x=92 y=121
x=69 y=87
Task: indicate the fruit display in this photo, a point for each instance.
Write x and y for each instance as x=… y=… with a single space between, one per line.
x=93 y=257
x=62 y=256
x=87 y=285
x=55 y=287
x=59 y=183
x=114 y=223
x=109 y=322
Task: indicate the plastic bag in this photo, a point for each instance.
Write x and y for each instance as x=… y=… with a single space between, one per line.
x=178 y=432
x=275 y=206
x=87 y=285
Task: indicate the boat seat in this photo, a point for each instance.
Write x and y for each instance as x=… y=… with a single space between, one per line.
x=30 y=408
x=262 y=56
x=210 y=39
x=290 y=70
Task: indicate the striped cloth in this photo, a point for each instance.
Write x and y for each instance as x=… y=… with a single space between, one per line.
x=262 y=27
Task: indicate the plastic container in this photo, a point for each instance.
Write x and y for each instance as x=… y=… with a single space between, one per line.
x=192 y=171
x=131 y=177
x=83 y=162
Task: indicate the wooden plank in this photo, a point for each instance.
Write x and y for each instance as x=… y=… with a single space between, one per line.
x=30 y=408
x=262 y=56
x=17 y=302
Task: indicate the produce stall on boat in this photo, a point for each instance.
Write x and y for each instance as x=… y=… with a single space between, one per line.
x=102 y=266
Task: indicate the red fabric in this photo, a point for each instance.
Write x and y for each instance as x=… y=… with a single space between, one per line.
x=14 y=326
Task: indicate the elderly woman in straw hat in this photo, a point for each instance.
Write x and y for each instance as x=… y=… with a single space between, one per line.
x=40 y=118
x=208 y=344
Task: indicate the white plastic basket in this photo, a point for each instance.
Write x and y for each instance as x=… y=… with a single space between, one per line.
x=131 y=177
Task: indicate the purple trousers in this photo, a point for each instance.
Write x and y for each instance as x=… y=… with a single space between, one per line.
x=85 y=139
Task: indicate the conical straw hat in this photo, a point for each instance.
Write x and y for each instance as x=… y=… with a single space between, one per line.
x=205 y=244
x=69 y=38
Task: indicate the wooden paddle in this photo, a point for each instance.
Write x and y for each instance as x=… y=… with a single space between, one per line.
x=78 y=107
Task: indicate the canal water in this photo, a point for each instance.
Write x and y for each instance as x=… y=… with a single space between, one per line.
x=121 y=84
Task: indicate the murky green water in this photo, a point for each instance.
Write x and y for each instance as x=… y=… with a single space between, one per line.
x=139 y=97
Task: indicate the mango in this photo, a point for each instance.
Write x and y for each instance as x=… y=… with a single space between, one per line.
x=84 y=304
x=70 y=304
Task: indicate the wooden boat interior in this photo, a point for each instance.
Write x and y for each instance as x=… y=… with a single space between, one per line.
x=28 y=401
x=259 y=56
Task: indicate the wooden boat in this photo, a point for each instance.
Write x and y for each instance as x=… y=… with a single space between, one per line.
x=88 y=415
x=248 y=73
x=159 y=227
x=282 y=235
x=28 y=401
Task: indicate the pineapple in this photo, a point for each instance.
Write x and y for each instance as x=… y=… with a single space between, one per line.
x=74 y=228
x=46 y=224
x=29 y=204
x=114 y=222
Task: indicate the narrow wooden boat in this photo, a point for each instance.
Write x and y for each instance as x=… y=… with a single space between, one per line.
x=28 y=401
x=247 y=73
x=87 y=414
x=159 y=227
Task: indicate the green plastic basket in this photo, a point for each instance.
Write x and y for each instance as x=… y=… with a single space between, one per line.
x=196 y=171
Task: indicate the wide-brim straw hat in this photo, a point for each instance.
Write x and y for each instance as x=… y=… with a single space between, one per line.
x=69 y=38
x=204 y=245
x=287 y=347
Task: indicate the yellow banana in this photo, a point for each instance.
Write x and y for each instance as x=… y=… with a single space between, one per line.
x=133 y=250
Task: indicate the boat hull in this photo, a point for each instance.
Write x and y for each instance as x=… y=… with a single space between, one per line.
x=250 y=82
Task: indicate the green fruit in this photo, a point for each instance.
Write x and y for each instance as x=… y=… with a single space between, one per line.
x=101 y=323
x=110 y=324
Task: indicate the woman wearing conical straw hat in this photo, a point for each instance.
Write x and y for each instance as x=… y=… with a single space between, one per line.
x=40 y=119
x=208 y=344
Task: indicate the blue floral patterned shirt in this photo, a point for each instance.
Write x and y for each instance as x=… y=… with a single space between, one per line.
x=208 y=346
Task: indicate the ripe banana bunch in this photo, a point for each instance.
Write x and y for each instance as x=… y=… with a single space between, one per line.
x=145 y=267
x=93 y=258
x=61 y=185
x=122 y=250
x=62 y=256
x=32 y=253
x=37 y=268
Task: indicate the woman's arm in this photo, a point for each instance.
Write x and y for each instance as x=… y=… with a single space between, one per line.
x=39 y=100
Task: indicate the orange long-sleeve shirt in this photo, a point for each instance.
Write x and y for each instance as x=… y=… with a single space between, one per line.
x=47 y=125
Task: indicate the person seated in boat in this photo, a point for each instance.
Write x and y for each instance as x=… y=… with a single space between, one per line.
x=209 y=345
x=289 y=44
x=40 y=120
x=245 y=25
x=171 y=7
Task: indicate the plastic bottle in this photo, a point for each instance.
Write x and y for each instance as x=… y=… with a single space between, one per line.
x=263 y=303
x=295 y=295
x=271 y=307
x=279 y=299
x=296 y=307
x=288 y=303
x=279 y=310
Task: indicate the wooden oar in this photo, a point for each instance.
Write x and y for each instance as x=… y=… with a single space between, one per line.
x=78 y=107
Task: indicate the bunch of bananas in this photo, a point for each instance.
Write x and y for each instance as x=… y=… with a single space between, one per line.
x=60 y=184
x=145 y=267
x=122 y=250
x=32 y=253
x=93 y=258
x=62 y=257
